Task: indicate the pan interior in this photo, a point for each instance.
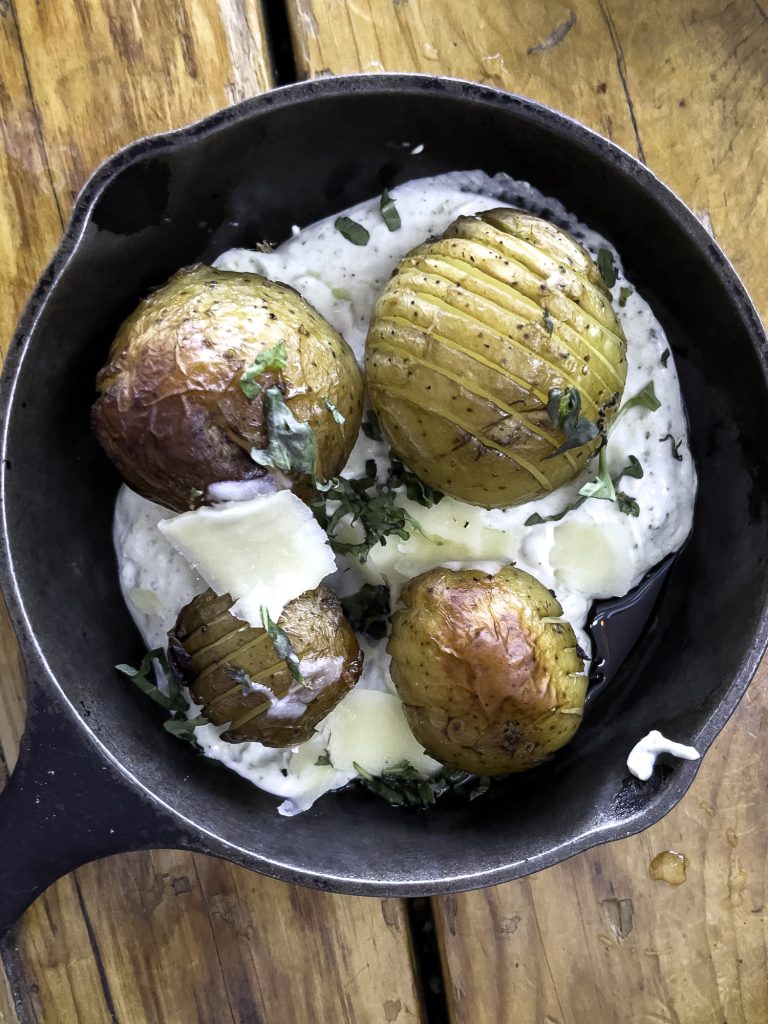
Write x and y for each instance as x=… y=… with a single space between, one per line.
x=249 y=176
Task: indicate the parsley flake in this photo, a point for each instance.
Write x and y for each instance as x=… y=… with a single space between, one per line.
x=341 y=420
x=626 y=504
x=624 y=292
x=646 y=398
x=404 y=786
x=564 y=411
x=275 y=358
x=368 y=610
x=352 y=231
x=388 y=211
x=292 y=446
x=282 y=645
x=174 y=701
x=603 y=486
x=675 y=446
x=549 y=325
x=606 y=266
x=370 y=426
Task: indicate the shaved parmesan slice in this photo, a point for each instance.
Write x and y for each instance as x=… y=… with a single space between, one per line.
x=592 y=558
x=455 y=533
x=266 y=551
x=369 y=728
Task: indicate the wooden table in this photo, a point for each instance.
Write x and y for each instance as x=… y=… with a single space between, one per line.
x=160 y=937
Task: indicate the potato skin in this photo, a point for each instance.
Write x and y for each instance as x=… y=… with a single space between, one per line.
x=171 y=414
x=487 y=686
x=467 y=339
x=210 y=649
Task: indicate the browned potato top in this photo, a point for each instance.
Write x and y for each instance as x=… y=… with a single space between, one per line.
x=171 y=414
x=234 y=670
x=490 y=676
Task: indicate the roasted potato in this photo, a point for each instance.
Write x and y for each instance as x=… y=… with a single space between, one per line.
x=234 y=671
x=171 y=413
x=468 y=340
x=490 y=676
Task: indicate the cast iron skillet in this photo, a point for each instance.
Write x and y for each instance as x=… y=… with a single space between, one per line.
x=97 y=774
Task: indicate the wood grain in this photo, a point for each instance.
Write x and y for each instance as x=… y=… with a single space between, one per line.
x=683 y=86
x=166 y=936
x=595 y=939
x=121 y=70
x=155 y=937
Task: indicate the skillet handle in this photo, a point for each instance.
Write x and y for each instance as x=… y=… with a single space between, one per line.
x=65 y=805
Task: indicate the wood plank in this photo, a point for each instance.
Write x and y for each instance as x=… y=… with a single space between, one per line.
x=682 y=86
x=597 y=939
x=242 y=949
x=121 y=70
x=159 y=936
x=50 y=961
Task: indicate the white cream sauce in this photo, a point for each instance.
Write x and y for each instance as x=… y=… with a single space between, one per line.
x=642 y=757
x=592 y=552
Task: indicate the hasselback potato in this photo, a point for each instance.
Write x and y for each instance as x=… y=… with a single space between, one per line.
x=172 y=413
x=469 y=340
x=489 y=674
x=235 y=672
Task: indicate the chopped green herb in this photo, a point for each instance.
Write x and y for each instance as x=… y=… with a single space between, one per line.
x=368 y=610
x=536 y=519
x=275 y=358
x=371 y=427
x=645 y=398
x=415 y=488
x=184 y=728
x=606 y=266
x=626 y=504
x=377 y=513
x=388 y=211
x=624 y=292
x=549 y=325
x=324 y=760
x=292 y=446
x=241 y=677
x=341 y=293
x=665 y=357
x=632 y=468
x=140 y=676
x=174 y=701
x=282 y=645
x=675 y=446
x=334 y=411
x=602 y=485
x=403 y=785
x=564 y=411
x=352 y=231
